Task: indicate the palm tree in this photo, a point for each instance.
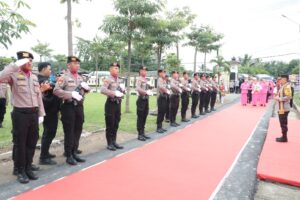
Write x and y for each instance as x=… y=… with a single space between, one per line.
x=221 y=65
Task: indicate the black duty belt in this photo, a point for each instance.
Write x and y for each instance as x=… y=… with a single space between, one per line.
x=27 y=110
x=145 y=97
x=114 y=100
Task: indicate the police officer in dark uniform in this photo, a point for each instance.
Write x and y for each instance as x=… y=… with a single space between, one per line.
x=203 y=94
x=195 y=94
x=52 y=106
x=167 y=118
x=214 y=92
x=28 y=112
x=207 y=94
x=174 y=98
x=71 y=88
x=144 y=91
x=114 y=92
x=185 y=96
x=162 y=103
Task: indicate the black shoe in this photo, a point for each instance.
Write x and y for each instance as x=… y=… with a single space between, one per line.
x=185 y=120
x=173 y=124
x=22 y=177
x=160 y=130
x=118 y=146
x=34 y=168
x=15 y=171
x=111 y=147
x=47 y=161
x=78 y=151
x=141 y=138
x=207 y=111
x=71 y=161
x=177 y=124
x=213 y=109
x=77 y=158
x=147 y=137
x=282 y=139
x=202 y=113
x=31 y=175
x=51 y=155
x=194 y=116
x=165 y=130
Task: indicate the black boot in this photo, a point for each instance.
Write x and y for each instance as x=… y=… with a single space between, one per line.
x=160 y=130
x=110 y=145
x=141 y=138
x=117 y=146
x=145 y=136
x=22 y=177
x=71 y=161
x=34 y=168
x=283 y=138
x=77 y=158
x=30 y=174
x=47 y=161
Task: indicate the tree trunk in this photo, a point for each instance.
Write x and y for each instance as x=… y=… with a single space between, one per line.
x=127 y=110
x=204 y=62
x=70 y=32
x=177 y=50
x=195 y=60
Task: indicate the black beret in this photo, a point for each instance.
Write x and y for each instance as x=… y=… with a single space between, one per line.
x=72 y=59
x=43 y=65
x=160 y=71
x=115 y=64
x=142 y=67
x=202 y=75
x=196 y=74
x=174 y=72
x=184 y=73
x=24 y=54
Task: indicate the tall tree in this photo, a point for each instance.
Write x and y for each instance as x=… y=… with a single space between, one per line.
x=181 y=19
x=221 y=65
x=133 y=16
x=12 y=23
x=70 y=24
x=42 y=49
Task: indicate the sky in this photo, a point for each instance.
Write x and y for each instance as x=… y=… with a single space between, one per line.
x=254 y=27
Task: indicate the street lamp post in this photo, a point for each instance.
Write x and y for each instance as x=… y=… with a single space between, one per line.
x=298 y=24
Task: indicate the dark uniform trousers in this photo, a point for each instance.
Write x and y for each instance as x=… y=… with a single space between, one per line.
x=142 y=111
x=25 y=136
x=2 y=109
x=283 y=119
x=195 y=100
x=174 y=105
x=207 y=100
x=112 y=120
x=168 y=108
x=249 y=95
x=162 y=105
x=213 y=99
x=184 y=104
x=202 y=101
x=50 y=126
x=72 y=118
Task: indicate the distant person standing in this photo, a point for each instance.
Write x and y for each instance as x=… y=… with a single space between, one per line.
x=195 y=94
x=185 y=96
x=237 y=86
x=263 y=93
x=3 y=101
x=256 y=87
x=283 y=97
x=222 y=92
x=215 y=89
x=231 y=86
x=244 y=92
x=114 y=92
x=142 y=103
x=174 y=98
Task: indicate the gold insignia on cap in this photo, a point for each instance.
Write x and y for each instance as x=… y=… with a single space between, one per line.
x=25 y=54
x=73 y=59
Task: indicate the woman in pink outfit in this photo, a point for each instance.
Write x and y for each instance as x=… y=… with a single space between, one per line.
x=255 y=91
x=263 y=93
x=244 y=92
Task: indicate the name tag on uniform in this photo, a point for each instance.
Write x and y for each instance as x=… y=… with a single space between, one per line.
x=71 y=83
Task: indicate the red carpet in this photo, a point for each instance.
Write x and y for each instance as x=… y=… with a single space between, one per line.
x=280 y=162
x=188 y=164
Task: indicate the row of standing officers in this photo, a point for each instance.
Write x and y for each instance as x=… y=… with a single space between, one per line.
x=39 y=99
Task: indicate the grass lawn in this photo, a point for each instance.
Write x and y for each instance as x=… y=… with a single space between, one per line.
x=94 y=117
x=297 y=98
